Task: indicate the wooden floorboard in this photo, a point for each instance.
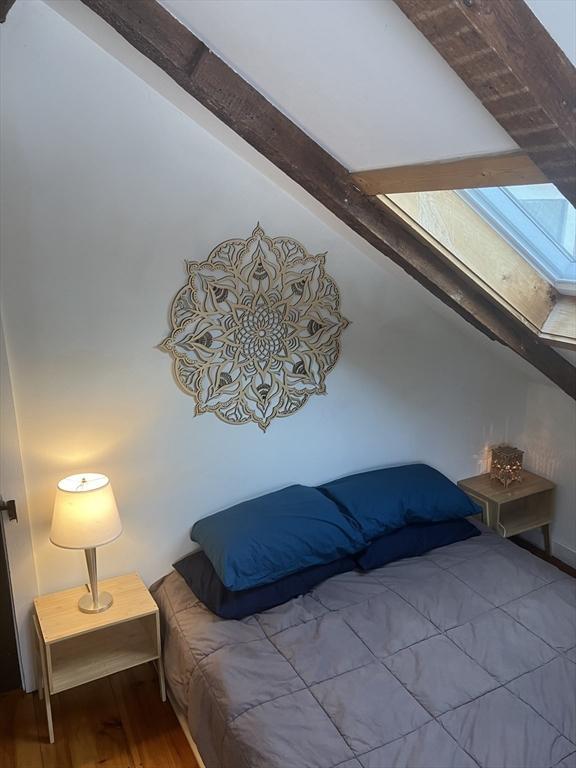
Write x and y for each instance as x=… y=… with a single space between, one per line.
x=116 y=722
x=541 y=554
x=151 y=731
x=19 y=741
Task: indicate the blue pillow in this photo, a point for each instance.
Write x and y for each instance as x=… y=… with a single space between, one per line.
x=384 y=500
x=414 y=540
x=198 y=572
x=262 y=540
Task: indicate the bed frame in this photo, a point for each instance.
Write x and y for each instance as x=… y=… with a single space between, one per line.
x=181 y=715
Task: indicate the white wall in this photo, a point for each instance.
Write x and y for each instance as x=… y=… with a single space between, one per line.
x=547 y=431
x=108 y=188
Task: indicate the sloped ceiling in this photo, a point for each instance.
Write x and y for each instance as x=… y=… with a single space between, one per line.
x=559 y=19
x=355 y=75
x=358 y=77
x=276 y=47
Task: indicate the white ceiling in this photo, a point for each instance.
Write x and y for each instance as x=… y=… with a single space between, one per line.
x=356 y=75
x=559 y=18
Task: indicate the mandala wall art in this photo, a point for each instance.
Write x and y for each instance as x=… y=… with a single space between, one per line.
x=255 y=330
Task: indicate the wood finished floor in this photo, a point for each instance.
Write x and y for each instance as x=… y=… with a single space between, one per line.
x=116 y=722
x=541 y=554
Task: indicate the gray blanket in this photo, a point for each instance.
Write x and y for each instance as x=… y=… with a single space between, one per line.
x=464 y=657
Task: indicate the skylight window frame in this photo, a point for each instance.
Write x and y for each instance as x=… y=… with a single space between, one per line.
x=514 y=223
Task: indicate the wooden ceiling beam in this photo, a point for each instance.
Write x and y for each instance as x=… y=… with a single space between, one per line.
x=501 y=170
x=510 y=62
x=170 y=45
x=5 y=6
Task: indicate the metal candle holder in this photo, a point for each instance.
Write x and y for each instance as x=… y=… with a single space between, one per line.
x=506 y=464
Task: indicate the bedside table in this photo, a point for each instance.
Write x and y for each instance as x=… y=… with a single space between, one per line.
x=76 y=647
x=521 y=507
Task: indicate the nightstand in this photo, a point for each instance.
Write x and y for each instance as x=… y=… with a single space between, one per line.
x=76 y=647
x=521 y=507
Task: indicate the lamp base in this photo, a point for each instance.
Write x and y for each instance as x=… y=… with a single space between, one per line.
x=87 y=605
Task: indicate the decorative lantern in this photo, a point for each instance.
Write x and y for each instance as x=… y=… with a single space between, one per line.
x=506 y=464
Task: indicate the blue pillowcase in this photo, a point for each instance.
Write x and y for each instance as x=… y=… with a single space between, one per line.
x=262 y=540
x=410 y=541
x=198 y=572
x=414 y=540
x=384 y=500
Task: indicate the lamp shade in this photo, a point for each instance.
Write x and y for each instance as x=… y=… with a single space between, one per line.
x=85 y=512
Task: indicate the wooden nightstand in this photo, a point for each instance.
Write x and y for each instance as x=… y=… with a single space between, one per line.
x=76 y=647
x=521 y=507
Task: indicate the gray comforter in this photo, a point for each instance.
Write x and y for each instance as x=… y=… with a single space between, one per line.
x=464 y=657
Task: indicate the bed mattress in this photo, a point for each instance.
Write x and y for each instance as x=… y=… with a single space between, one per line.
x=463 y=657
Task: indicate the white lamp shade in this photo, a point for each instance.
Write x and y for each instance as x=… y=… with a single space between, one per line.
x=85 y=512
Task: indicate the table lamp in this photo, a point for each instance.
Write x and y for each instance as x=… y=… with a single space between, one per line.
x=85 y=517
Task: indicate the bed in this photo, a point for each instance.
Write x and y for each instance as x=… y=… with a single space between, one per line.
x=462 y=657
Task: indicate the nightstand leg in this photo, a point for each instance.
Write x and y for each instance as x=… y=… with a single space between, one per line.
x=160 y=666
x=492 y=511
x=44 y=684
x=47 y=698
x=162 y=679
x=546 y=532
x=49 y=717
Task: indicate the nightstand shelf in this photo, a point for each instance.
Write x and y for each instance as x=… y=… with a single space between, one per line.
x=522 y=506
x=102 y=652
x=533 y=512
x=77 y=648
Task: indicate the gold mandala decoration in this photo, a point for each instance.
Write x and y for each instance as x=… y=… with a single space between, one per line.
x=255 y=330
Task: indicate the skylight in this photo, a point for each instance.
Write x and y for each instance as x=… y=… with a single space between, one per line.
x=539 y=222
